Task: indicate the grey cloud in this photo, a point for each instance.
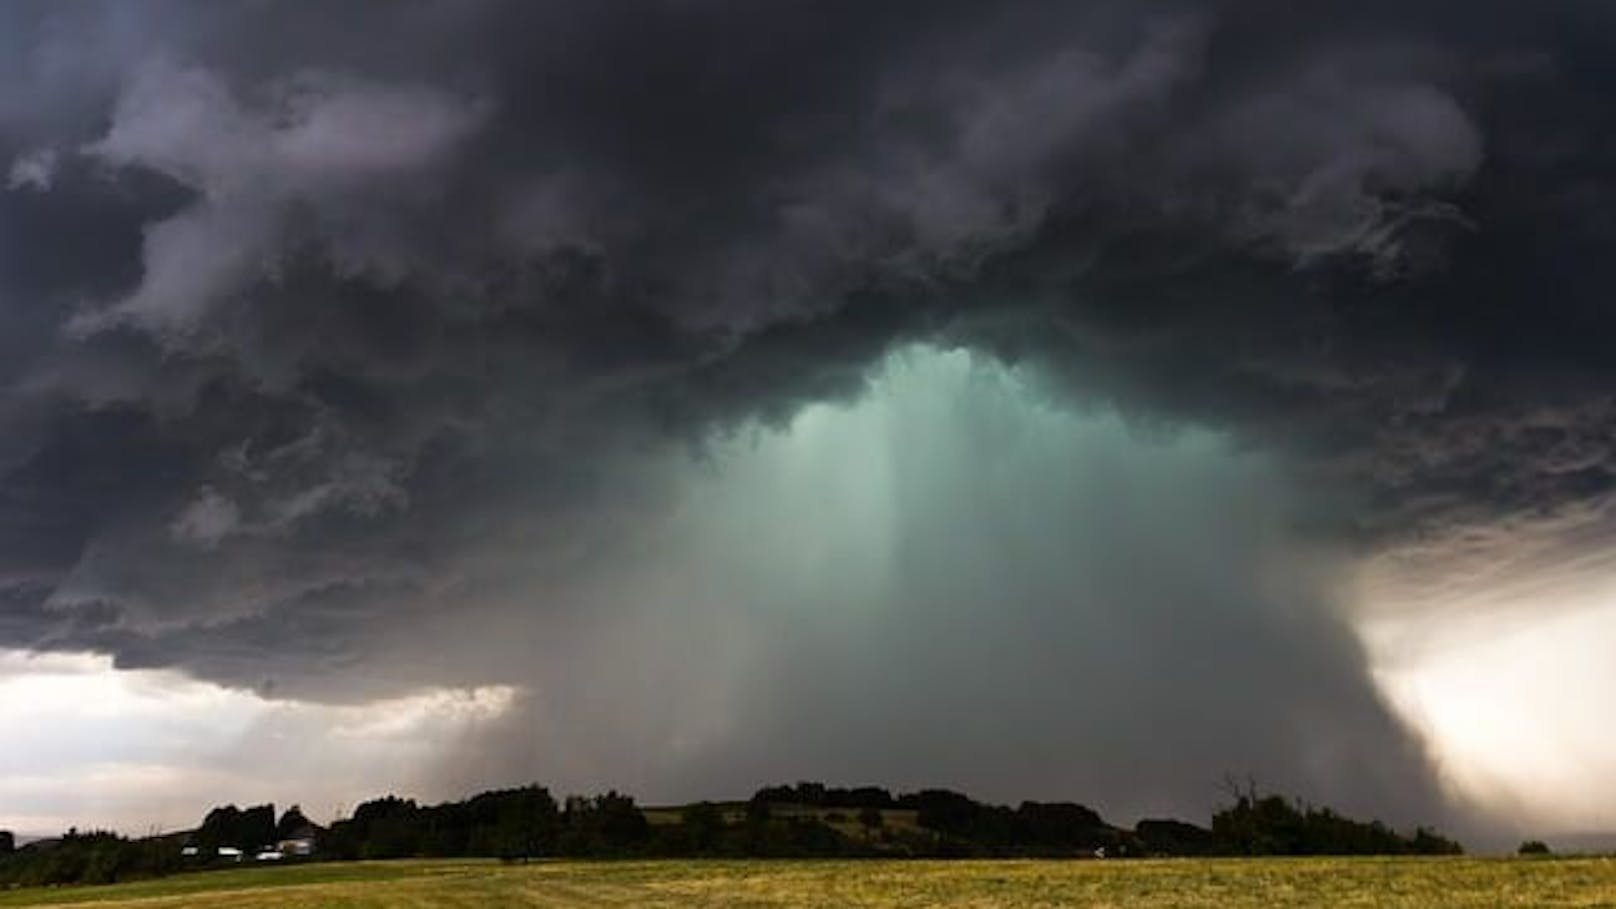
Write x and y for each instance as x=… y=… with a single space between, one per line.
x=33 y=170
x=320 y=142
x=208 y=520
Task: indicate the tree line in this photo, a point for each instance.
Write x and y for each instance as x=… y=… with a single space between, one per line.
x=94 y=857
x=509 y=824
x=800 y=820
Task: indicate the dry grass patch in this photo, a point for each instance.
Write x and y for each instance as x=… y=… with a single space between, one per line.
x=1402 y=882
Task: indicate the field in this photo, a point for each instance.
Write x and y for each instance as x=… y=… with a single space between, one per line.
x=980 y=884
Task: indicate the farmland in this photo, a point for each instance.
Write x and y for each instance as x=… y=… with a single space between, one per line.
x=872 y=883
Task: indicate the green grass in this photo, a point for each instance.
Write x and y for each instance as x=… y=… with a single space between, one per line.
x=1422 y=882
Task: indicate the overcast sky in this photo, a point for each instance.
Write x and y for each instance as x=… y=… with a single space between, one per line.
x=1043 y=399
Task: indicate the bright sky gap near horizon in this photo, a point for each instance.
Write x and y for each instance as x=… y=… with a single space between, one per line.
x=1046 y=400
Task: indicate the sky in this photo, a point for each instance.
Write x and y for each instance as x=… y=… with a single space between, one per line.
x=1091 y=401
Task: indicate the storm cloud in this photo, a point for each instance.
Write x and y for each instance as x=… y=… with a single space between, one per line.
x=356 y=349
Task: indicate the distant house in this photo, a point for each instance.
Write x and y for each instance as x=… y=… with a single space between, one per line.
x=229 y=852
x=300 y=841
x=190 y=851
x=270 y=855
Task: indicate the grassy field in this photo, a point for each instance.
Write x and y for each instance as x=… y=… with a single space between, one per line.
x=981 y=884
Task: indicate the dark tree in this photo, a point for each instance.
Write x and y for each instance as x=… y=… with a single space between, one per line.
x=704 y=825
x=757 y=812
x=1170 y=837
x=607 y=824
x=387 y=828
x=230 y=826
x=256 y=827
x=943 y=810
x=292 y=822
x=218 y=828
x=526 y=823
x=1275 y=825
x=621 y=821
x=871 y=817
x=1061 y=827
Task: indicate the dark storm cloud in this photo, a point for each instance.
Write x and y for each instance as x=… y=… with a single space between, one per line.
x=329 y=325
